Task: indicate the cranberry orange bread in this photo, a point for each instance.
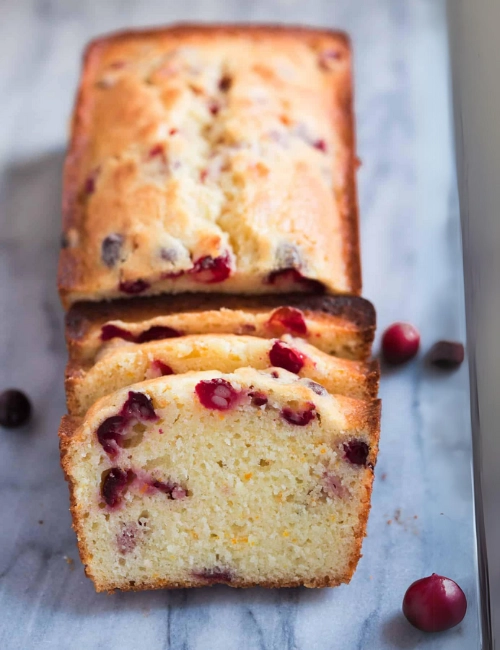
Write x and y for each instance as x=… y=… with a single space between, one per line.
x=250 y=478
x=211 y=158
x=126 y=363
x=340 y=325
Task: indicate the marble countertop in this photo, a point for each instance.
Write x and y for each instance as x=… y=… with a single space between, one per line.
x=422 y=515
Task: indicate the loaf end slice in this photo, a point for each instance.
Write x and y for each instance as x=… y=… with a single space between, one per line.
x=249 y=478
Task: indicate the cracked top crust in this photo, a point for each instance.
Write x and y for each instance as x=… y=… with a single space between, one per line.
x=211 y=158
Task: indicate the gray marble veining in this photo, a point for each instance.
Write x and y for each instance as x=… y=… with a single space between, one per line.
x=422 y=516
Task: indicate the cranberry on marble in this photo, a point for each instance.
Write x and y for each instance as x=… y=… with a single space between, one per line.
x=446 y=354
x=111 y=249
x=217 y=394
x=134 y=286
x=115 y=485
x=214 y=576
x=210 y=270
x=15 y=408
x=282 y=355
x=290 y=319
x=157 y=333
x=400 y=343
x=258 y=399
x=299 y=417
x=110 y=434
x=434 y=604
x=356 y=452
x=109 y=332
x=138 y=407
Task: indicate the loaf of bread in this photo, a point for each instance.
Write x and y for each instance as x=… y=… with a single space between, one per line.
x=124 y=363
x=249 y=478
x=211 y=158
x=339 y=325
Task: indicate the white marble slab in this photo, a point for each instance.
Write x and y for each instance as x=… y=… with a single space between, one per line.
x=412 y=270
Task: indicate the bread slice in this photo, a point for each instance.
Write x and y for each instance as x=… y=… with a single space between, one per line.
x=339 y=325
x=210 y=158
x=123 y=363
x=249 y=478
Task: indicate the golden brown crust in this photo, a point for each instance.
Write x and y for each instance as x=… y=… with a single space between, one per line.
x=76 y=267
x=351 y=316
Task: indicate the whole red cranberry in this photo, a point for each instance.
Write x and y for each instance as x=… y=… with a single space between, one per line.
x=434 y=604
x=15 y=408
x=283 y=356
x=400 y=343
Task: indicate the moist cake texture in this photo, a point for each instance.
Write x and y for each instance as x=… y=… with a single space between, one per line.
x=124 y=363
x=249 y=478
x=211 y=158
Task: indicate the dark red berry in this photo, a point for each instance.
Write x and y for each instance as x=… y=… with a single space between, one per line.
x=110 y=434
x=300 y=417
x=446 y=354
x=134 y=286
x=214 y=107
x=400 y=343
x=216 y=394
x=258 y=399
x=90 y=182
x=15 y=408
x=155 y=151
x=157 y=333
x=293 y=276
x=160 y=369
x=138 y=407
x=111 y=249
x=290 y=319
x=320 y=145
x=434 y=604
x=109 y=332
x=210 y=270
x=356 y=452
x=115 y=485
x=214 y=576
x=225 y=83
x=283 y=356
